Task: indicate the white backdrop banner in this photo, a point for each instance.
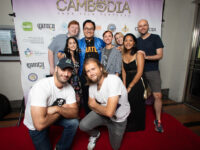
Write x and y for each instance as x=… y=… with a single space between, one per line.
x=38 y=21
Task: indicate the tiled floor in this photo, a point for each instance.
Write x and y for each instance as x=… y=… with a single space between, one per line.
x=188 y=116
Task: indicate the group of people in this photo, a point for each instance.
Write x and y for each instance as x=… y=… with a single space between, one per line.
x=106 y=79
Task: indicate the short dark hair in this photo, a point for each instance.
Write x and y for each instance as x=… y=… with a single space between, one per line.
x=134 y=48
x=107 y=32
x=89 y=21
x=87 y=61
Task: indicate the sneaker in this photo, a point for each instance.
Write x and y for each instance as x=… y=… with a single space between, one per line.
x=158 y=126
x=92 y=141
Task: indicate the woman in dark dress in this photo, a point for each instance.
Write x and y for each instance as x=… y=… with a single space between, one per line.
x=71 y=51
x=132 y=70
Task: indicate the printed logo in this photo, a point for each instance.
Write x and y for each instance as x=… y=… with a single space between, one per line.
x=111 y=27
x=109 y=6
x=150 y=29
x=27 y=26
x=46 y=26
x=35 y=65
x=29 y=53
x=68 y=61
x=64 y=26
x=125 y=29
x=98 y=27
x=32 y=77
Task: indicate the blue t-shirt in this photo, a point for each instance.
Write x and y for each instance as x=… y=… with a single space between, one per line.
x=149 y=46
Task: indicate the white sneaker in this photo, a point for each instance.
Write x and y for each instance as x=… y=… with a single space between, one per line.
x=92 y=141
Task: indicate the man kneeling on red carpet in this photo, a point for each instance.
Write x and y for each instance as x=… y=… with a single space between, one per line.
x=52 y=101
x=109 y=104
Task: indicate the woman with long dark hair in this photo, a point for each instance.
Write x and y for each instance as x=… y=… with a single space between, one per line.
x=132 y=70
x=71 y=51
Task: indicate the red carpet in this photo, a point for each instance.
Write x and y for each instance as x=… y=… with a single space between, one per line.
x=175 y=137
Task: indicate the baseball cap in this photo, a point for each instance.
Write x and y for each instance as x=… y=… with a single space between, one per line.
x=65 y=63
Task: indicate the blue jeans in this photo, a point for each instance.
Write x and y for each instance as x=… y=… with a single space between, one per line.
x=41 y=139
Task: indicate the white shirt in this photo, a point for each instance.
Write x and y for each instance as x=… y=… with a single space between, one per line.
x=112 y=86
x=43 y=94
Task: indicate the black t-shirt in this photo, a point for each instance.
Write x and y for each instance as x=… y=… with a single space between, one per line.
x=91 y=51
x=149 y=46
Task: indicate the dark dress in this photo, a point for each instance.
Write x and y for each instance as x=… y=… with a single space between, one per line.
x=136 y=119
x=75 y=81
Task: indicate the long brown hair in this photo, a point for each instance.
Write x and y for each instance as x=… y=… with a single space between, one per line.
x=87 y=61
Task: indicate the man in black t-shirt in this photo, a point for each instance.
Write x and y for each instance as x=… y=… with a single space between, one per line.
x=152 y=46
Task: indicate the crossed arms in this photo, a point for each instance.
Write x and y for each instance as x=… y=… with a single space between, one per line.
x=44 y=116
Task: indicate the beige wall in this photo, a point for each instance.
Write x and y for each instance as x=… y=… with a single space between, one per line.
x=10 y=78
x=176 y=35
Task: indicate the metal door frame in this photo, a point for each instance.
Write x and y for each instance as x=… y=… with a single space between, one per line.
x=193 y=49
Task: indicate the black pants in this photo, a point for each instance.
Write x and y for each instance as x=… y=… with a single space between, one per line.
x=85 y=93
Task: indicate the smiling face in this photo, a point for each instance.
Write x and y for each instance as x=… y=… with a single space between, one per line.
x=129 y=42
x=73 y=30
x=93 y=72
x=119 y=39
x=72 y=45
x=107 y=38
x=143 y=27
x=88 y=30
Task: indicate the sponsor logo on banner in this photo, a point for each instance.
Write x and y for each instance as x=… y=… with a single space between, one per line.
x=109 y=6
x=36 y=65
x=46 y=26
x=125 y=29
x=34 y=40
x=28 y=53
x=27 y=26
x=150 y=29
x=98 y=27
x=111 y=27
x=32 y=77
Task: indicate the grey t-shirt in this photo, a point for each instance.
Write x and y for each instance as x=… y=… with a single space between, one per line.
x=105 y=56
x=57 y=44
x=112 y=86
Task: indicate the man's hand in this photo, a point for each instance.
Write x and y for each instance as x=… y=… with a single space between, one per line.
x=140 y=51
x=52 y=110
x=92 y=103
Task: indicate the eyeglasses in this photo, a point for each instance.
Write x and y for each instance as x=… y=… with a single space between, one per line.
x=89 y=29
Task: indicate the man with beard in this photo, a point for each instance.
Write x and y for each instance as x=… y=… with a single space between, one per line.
x=109 y=104
x=90 y=48
x=52 y=101
x=152 y=46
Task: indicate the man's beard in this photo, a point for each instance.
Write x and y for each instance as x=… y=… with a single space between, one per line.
x=97 y=80
x=142 y=34
x=60 y=80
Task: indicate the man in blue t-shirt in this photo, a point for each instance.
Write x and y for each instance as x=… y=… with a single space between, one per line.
x=152 y=46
